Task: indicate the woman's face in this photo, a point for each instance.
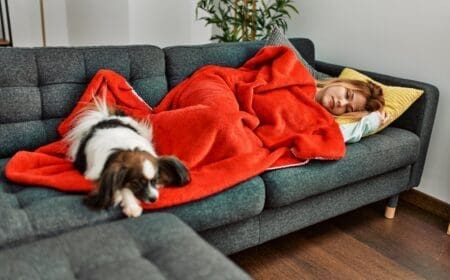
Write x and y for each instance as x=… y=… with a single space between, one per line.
x=339 y=99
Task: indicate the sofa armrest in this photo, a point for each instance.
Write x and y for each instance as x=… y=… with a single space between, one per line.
x=419 y=118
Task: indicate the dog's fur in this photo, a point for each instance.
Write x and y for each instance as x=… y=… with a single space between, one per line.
x=115 y=152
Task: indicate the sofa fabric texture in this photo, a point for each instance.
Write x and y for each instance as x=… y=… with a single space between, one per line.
x=182 y=61
x=33 y=212
x=283 y=220
x=41 y=86
x=387 y=150
x=277 y=38
x=127 y=249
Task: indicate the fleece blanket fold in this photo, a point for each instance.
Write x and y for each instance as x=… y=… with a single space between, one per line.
x=226 y=124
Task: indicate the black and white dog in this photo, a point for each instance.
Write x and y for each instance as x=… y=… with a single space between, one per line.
x=115 y=152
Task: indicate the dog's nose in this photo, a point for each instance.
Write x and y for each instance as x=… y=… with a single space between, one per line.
x=149 y=199
x=151 y=195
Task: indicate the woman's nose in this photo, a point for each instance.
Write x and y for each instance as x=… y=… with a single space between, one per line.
x=342 y=102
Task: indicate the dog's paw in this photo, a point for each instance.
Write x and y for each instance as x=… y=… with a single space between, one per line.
x=118 y=198
x=132 y=211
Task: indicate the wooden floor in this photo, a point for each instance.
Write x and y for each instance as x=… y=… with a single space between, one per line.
x=4 y=42
x=358 y=245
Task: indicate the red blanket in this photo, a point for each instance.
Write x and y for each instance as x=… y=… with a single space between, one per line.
x=226 y=124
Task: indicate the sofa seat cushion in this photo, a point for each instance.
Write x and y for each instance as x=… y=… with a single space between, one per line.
x=155 y=246
x=241 y=202
x=390 y=149
x=28 y=212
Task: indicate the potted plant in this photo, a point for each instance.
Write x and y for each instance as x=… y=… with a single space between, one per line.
x=245 y=20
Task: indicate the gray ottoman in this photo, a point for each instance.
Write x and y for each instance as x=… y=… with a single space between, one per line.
x=154 y=246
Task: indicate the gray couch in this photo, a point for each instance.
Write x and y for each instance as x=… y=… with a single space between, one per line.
x=39 y=86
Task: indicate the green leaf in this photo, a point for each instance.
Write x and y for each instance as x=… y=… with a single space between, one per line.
x=234 y=18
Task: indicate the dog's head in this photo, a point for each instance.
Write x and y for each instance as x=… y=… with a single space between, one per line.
x=140 y=172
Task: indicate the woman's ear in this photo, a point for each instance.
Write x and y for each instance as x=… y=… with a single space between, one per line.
x=172 y=172
x=112 y=179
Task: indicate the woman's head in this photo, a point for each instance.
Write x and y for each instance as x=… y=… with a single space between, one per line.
x=341 y=96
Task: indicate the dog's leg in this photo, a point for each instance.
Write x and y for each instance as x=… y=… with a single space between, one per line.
x=130 y=205
x=93 y=173
x=118 y=197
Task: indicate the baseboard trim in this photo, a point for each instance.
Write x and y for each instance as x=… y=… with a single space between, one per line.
x=427 y=203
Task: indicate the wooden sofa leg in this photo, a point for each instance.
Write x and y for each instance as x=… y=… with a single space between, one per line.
x=391 y=207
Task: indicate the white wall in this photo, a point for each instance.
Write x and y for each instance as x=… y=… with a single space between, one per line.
x=403 y=38
x=56 y=28
x=165 y=23
x=107 y=22
x=25 y=23
x=97 y=22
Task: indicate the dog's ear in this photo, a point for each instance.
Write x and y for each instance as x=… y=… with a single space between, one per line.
x=112 y=179
x=172 y=172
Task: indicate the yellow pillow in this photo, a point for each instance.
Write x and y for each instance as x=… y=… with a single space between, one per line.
x=397 y=99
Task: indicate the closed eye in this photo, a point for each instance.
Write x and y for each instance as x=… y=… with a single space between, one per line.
x=349 y=95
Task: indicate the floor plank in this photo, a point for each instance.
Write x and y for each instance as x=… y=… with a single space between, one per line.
x=361 y=244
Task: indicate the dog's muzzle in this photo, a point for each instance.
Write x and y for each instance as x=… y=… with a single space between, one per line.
x=151 y=194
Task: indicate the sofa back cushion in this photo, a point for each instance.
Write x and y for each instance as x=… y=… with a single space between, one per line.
x=182 y=61
x=40 y=86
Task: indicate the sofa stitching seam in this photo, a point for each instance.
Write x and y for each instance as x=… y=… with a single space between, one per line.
x=39 y=88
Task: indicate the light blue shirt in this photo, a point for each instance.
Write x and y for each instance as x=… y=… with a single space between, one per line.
x=353 y=132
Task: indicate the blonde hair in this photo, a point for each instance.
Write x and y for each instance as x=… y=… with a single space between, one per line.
x=371 y=91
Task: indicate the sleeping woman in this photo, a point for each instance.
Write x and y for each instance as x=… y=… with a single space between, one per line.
x=353 y=98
